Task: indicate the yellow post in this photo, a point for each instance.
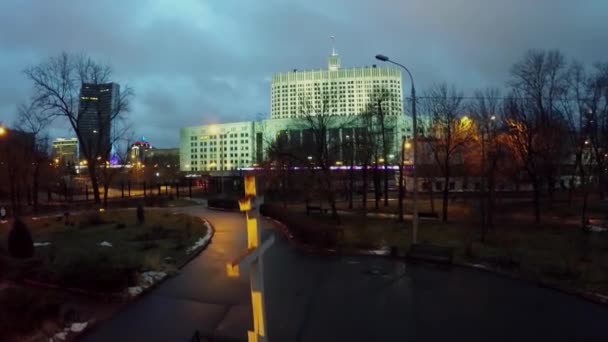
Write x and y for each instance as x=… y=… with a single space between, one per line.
x=250 y=205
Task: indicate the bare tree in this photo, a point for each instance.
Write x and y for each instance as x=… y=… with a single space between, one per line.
x=532 y=113
x=542 y=78
x=448 y=132
x=121 y=139
x=485 y=111
x=381 y=106
x=57 y=85
x=595 y=122
x=31 y=120
x=316 y=117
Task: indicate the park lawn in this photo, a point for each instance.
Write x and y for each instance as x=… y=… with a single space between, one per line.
x=553 y=253
x=75 y=257
x=556 y=251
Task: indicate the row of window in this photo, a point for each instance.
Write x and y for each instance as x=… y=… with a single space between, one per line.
x=220 y=136
x=226 y=155
x=214 y=168
x=213 y=143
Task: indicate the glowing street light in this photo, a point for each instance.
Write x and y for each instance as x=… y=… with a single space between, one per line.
x=408 y=145
x=493 y=117
x=2 y=131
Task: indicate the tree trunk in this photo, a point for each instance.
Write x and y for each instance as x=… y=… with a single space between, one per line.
x=129 y=188
x=351 y=185
x=536 y=189
x=385 y=182
x=376 y=184
x=122 y=189
x=13 y=195
x=431 y=197
x=94 y=181
x=364 y=190
x=401 y=189
x=36 y=186
x=446 y=191
x=105 y=194
x=190 y=187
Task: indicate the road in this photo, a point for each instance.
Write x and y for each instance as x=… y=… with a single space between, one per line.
x=320 y=298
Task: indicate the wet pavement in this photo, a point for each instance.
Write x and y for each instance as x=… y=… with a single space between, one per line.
x=320 y=298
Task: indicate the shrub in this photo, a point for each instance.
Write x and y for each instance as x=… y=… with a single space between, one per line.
x=303 y=228
x=20 y=243
x=140 y=214
x=23 y=310
x=148 y=245
x=120 y=225
x=92 y=219
x=156 y=232
x=99 y=272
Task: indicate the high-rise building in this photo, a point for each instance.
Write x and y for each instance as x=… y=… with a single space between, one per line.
x=352 y=88
x=98 y=104
x=65 y=150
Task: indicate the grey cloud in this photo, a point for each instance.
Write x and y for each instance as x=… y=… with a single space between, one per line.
x=194 y=61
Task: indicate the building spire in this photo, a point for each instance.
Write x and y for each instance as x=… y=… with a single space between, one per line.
x=334 y=60
x=333 y=45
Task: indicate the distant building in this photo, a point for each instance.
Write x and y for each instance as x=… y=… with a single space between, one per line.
x=98 y=103
x=137 y=151
x=241 y=145
x=167 y=156
x=352 y=87
x=65 y=151
x=218 y=147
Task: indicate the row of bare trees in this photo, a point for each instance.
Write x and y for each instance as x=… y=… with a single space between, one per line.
x=550 y=123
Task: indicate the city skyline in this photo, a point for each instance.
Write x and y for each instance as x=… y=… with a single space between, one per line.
x=193 y=63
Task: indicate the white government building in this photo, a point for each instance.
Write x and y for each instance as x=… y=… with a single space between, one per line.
x=240 y=145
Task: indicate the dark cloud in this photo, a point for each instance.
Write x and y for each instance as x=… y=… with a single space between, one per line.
x=195 y=61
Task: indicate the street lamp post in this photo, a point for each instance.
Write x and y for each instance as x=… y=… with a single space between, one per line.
x=415 y=154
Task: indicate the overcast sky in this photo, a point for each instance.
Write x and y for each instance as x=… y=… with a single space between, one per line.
x=193 y=61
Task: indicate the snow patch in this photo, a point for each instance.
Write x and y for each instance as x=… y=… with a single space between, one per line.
x=201 y=241
x=135 y=291
x=151 y=277
x=384 y=251
x=41 y=244
x=105 y=244
x=61 y=336
x=78 y=327
x=597 y=229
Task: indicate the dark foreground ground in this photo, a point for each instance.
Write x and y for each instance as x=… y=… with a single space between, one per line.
x=315 y=298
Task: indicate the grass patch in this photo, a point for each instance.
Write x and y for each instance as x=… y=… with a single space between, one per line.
x=556 y=251
x=76 y=259
x=24 y=310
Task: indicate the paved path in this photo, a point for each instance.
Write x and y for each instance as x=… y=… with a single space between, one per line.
x=314 y=298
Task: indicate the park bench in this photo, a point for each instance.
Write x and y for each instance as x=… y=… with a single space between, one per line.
x=427 y=252
x=311 y=208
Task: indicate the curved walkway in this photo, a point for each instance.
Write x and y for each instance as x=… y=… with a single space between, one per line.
x=324 y=298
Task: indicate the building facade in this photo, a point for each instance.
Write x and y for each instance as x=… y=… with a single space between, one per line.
x=217 y=147
x=98 y=104
x=65 y=151
x=350 y=88
x=235 y=146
